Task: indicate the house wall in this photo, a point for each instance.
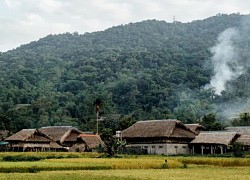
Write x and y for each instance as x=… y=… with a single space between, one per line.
x=166 y=149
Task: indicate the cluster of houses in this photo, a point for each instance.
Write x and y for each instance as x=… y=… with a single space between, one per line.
x=53 y=138
x=153 y=136
x=173 y=137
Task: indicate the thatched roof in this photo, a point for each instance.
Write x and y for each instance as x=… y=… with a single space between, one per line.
x=22 y=135
x=158 y=128
x=241 y=129
x=92 y=140
x=29 y=135
x=59 y=133
x=215 y=137
x=195 y=127
x=244 y=139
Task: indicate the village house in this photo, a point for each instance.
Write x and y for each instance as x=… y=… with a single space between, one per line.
x=213 y=142
x=160 y=136
x=66 y=136
x=32 y=140
x=92 y=142
x=244 y=138
x=54 y=138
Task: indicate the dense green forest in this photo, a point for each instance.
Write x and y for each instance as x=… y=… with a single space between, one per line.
x=145 y=70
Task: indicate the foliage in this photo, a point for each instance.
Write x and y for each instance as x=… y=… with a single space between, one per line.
x=110 y=142
x=237 y=149
x=211 y=123
x=243 y=120
x=146 y=70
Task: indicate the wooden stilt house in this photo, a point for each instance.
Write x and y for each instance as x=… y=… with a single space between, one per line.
x=32 y=140
x=213 y=142
x=244 y=138
x=65 y=136
x=159 y=136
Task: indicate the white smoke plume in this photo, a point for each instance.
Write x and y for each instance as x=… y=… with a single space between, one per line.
x=225 y=60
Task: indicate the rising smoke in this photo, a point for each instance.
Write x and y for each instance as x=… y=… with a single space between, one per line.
x=231 y=61
x=225 y=60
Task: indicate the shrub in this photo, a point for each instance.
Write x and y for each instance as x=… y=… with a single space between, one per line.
x=237 y=149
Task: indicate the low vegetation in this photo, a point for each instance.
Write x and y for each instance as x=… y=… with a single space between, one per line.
x=36 y=162
x=215 y=161
x=36 y=156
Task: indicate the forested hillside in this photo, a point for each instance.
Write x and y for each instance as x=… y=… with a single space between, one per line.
x=146 y=70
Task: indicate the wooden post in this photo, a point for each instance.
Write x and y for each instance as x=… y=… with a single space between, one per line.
x=202 y=149
x=212 y=149
x=221 y=149
x=193 y=149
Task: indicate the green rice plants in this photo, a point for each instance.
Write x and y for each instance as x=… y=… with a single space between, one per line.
x=215 y=161
x=21 y=158
x=33 y=169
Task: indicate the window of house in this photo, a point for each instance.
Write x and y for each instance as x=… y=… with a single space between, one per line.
x=145 y=147
x=153 y=146
x=160 y=147
x=184 y=147
x=176 y=147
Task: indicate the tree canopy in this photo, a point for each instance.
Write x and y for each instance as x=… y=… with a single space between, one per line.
x=146 y=70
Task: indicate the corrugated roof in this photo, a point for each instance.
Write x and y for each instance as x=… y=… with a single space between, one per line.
x=158 y=128
x=215 y=137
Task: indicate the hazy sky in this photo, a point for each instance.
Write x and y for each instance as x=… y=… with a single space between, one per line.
x=22 y=21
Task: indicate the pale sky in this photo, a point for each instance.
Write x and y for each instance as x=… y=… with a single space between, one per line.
x=22 y=21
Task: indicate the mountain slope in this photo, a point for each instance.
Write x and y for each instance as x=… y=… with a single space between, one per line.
x=147 y=70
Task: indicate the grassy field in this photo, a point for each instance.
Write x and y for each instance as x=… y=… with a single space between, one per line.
x=90 y=166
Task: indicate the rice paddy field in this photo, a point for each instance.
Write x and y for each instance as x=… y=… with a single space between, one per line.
x=92 y=166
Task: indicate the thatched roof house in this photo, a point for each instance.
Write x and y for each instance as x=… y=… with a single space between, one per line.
x=213 y=141
x=197 y=128
x=28 y=135
x=244 y=140
x=64 y=138
x=32 y=140
x=215 y=137
x=87 y=142
x=240 y=129
x=158 y=128
x=169 y=136
x=92 y=140
x=64 y=135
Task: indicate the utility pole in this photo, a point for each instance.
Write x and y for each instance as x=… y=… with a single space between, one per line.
x=97 y=118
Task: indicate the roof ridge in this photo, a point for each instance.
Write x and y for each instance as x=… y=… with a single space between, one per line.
x=172 y=131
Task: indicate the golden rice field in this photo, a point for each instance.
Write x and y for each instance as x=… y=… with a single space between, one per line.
x=89 y=166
